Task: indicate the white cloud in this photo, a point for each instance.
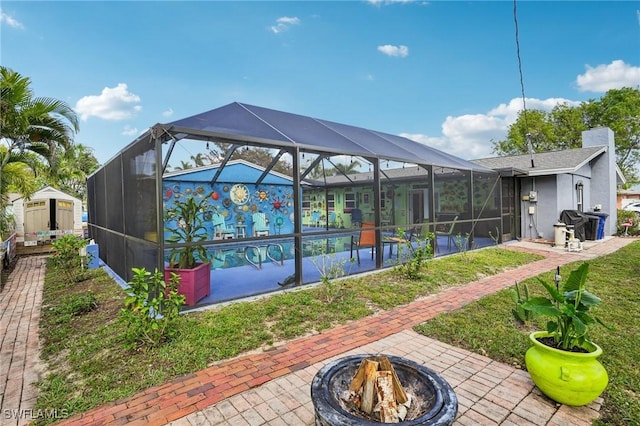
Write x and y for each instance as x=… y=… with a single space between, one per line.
x=387 y=2
x=391 y=50
x=470 y=136
x=10 y=20
x=511 y=110
x=604 y=77
x=283 y=23
x=129 y=131
x=115 y=103
x=167 y=113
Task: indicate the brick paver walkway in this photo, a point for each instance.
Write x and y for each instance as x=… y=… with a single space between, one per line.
x=20 y=367
x=272 y=387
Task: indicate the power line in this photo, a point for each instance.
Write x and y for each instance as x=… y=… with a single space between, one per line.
x=524 y=99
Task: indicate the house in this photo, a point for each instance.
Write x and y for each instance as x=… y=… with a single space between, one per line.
x=537 y=188
x=628 y=196
x=239 y=191
x=48 y=213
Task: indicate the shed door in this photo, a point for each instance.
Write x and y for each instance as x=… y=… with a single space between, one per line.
x=36 y=216
x=64 y=214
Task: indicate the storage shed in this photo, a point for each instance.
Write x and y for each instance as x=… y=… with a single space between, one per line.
x=48 y=213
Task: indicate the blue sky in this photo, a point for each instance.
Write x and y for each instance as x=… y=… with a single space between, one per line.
x=444 y=73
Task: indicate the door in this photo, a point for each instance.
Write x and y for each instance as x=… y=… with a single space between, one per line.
x=416 y=206
x=36 y=216
x=510 y=215
x=64 y=215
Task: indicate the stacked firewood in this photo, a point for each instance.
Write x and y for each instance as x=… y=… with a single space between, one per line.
x=376 y=392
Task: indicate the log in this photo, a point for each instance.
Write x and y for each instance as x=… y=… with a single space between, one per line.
x=398 y=390
x=386 y=397
x=368 y=388
x=358 y=378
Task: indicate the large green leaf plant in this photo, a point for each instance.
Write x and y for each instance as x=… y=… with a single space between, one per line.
x=569 y=307
x=184 y=220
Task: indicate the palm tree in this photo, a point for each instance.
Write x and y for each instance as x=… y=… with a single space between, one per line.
x=184 y=165
x=72 y=169
x=31 y=125
x=348 y=169
x=199 y=159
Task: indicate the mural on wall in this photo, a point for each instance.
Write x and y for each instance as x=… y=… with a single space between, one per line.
x=453 y=196
x=234 y=200
x=237 y=203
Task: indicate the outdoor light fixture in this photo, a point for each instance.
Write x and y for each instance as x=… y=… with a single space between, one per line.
x=580 y=195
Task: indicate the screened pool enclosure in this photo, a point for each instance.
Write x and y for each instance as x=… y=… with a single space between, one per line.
x=287 y=199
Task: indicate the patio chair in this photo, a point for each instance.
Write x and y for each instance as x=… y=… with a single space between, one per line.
x=366 y=239
x=356 y=218
x=315 y=218
x=260 y=226
x=448 y=233
x=220 y=228
x=332 y=219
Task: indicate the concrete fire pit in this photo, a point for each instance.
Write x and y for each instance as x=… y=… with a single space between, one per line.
x=435 y=402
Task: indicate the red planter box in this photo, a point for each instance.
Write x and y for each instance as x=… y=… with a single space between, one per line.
x=194 y=283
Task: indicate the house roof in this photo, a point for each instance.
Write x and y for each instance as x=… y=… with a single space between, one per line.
x=241 y=171
x=47 y=192
x=237 y=122
x=544 y=163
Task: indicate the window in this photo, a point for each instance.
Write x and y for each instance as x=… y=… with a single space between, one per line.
x=331 y=201
x=306 y=202
x=349 y=200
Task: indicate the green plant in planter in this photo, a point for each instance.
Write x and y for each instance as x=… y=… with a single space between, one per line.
x=566 y=368
x=569 y=307
x=186 y=215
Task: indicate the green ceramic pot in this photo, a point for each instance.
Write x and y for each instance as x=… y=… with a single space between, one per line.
x=570 y=378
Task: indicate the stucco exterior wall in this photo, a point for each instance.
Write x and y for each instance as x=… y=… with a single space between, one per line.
x=539 y=224
x=604 y=179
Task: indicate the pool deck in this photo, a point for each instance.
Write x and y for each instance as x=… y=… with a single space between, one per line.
x=272 y=386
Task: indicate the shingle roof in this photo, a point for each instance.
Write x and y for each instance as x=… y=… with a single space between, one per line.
x=545 y=163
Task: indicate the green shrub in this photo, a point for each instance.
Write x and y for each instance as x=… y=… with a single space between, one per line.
x=412 y=268
x=623 y=217
x=67 y=260
x=520 y=297
x=152 y=307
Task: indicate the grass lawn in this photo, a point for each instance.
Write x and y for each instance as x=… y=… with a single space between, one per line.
x=90 y=362
x=487 y=327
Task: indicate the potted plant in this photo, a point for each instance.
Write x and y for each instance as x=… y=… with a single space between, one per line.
x=563 y=360
x=185 y=224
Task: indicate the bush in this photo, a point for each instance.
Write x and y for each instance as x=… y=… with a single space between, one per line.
x=67 y=260
x=623 y=217
x=152 y=307
x=412 y=268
